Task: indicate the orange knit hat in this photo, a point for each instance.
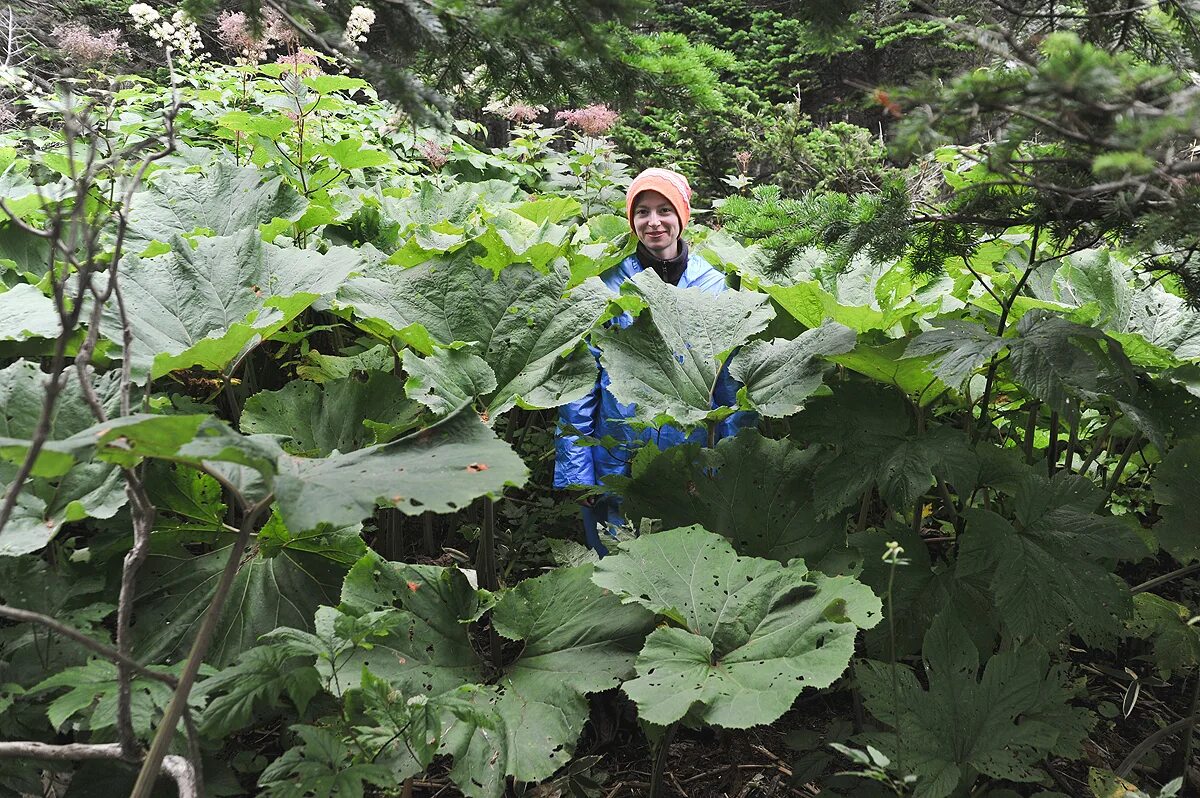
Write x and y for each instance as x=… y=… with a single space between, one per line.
x=671 y=185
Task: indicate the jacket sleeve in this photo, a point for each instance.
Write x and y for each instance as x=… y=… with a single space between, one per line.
x=725 y=394
x=574 y=465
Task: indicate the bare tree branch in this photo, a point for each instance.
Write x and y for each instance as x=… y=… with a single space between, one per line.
x=177 y=767
x=111 y=654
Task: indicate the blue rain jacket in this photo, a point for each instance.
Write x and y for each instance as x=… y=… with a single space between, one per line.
x=599 y=413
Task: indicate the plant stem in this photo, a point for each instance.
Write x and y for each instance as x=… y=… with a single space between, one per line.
x=1150 y=584
x=1098 y=444
x=1189 y=735
x=1031 y=429
x=1072 y=437
x=1005 y=309
x=863 y=509
x=1141 y=748
x=1134 y=443
x=660 y=760
x=1052 y=448
x=488 y=572
x=427 y=533
x=948 y=502
x=166 y=728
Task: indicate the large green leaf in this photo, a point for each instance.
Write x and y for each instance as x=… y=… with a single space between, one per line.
x=668 y=361
x=889 y=364
x=449 y=378
x=67 y=592
x=1162 y=320
x=204 y=306
x=1168 y=626
x=875 y=444
x=281 y=582
x=750 y=634
x=1176 y=489
x=1054 y=359
x=812 y=305
x=575 y=639
x=511 y=238
x=29 y=254
x=91 y=697
x=779 y=375
x=755 y=491
x=333 y=416
x=439 y=469
x=72 y=492
x=1002 y=723
x=225 y=198
x=525 y=325
x=1049 y=567
x=25 y=312
x=958 y=347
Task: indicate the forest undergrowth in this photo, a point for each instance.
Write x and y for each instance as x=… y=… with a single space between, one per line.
x=281 y=370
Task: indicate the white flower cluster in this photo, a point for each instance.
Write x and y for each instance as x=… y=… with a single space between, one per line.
x=360 y=21
x=177 y=34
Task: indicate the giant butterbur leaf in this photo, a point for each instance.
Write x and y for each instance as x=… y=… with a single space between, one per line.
x=1049 y=567
x=438 y=469
x=1002 y=722
x=72 y=491
x=755 y=491
x=25 y=312
x=511 y=238
x=575 y=639
x=888 y=364
x=282 y=581
x=747 y=636
x=448 y=378
x=225 y=199
x=204 y=305
x=812 y=306
x=779 y=375
x=1148 y=317
x=334 y=416
x=668 y=361
x=526 y=327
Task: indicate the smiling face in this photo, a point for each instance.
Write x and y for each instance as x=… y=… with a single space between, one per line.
x=656 y=224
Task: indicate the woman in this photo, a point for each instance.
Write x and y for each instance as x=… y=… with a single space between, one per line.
x=658 y=206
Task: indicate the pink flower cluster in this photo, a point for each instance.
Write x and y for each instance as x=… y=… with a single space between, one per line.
x=434 y=154
x=85 y=46
x=235 y=32
x=594 y=121
x=743 y=161
x=521 y=112
x=300 y=61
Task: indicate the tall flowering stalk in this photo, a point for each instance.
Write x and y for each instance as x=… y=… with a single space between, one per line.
x=357 y=26
x=85 y=46
x=236 y=33
x=177 y=35
x=593 y=122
